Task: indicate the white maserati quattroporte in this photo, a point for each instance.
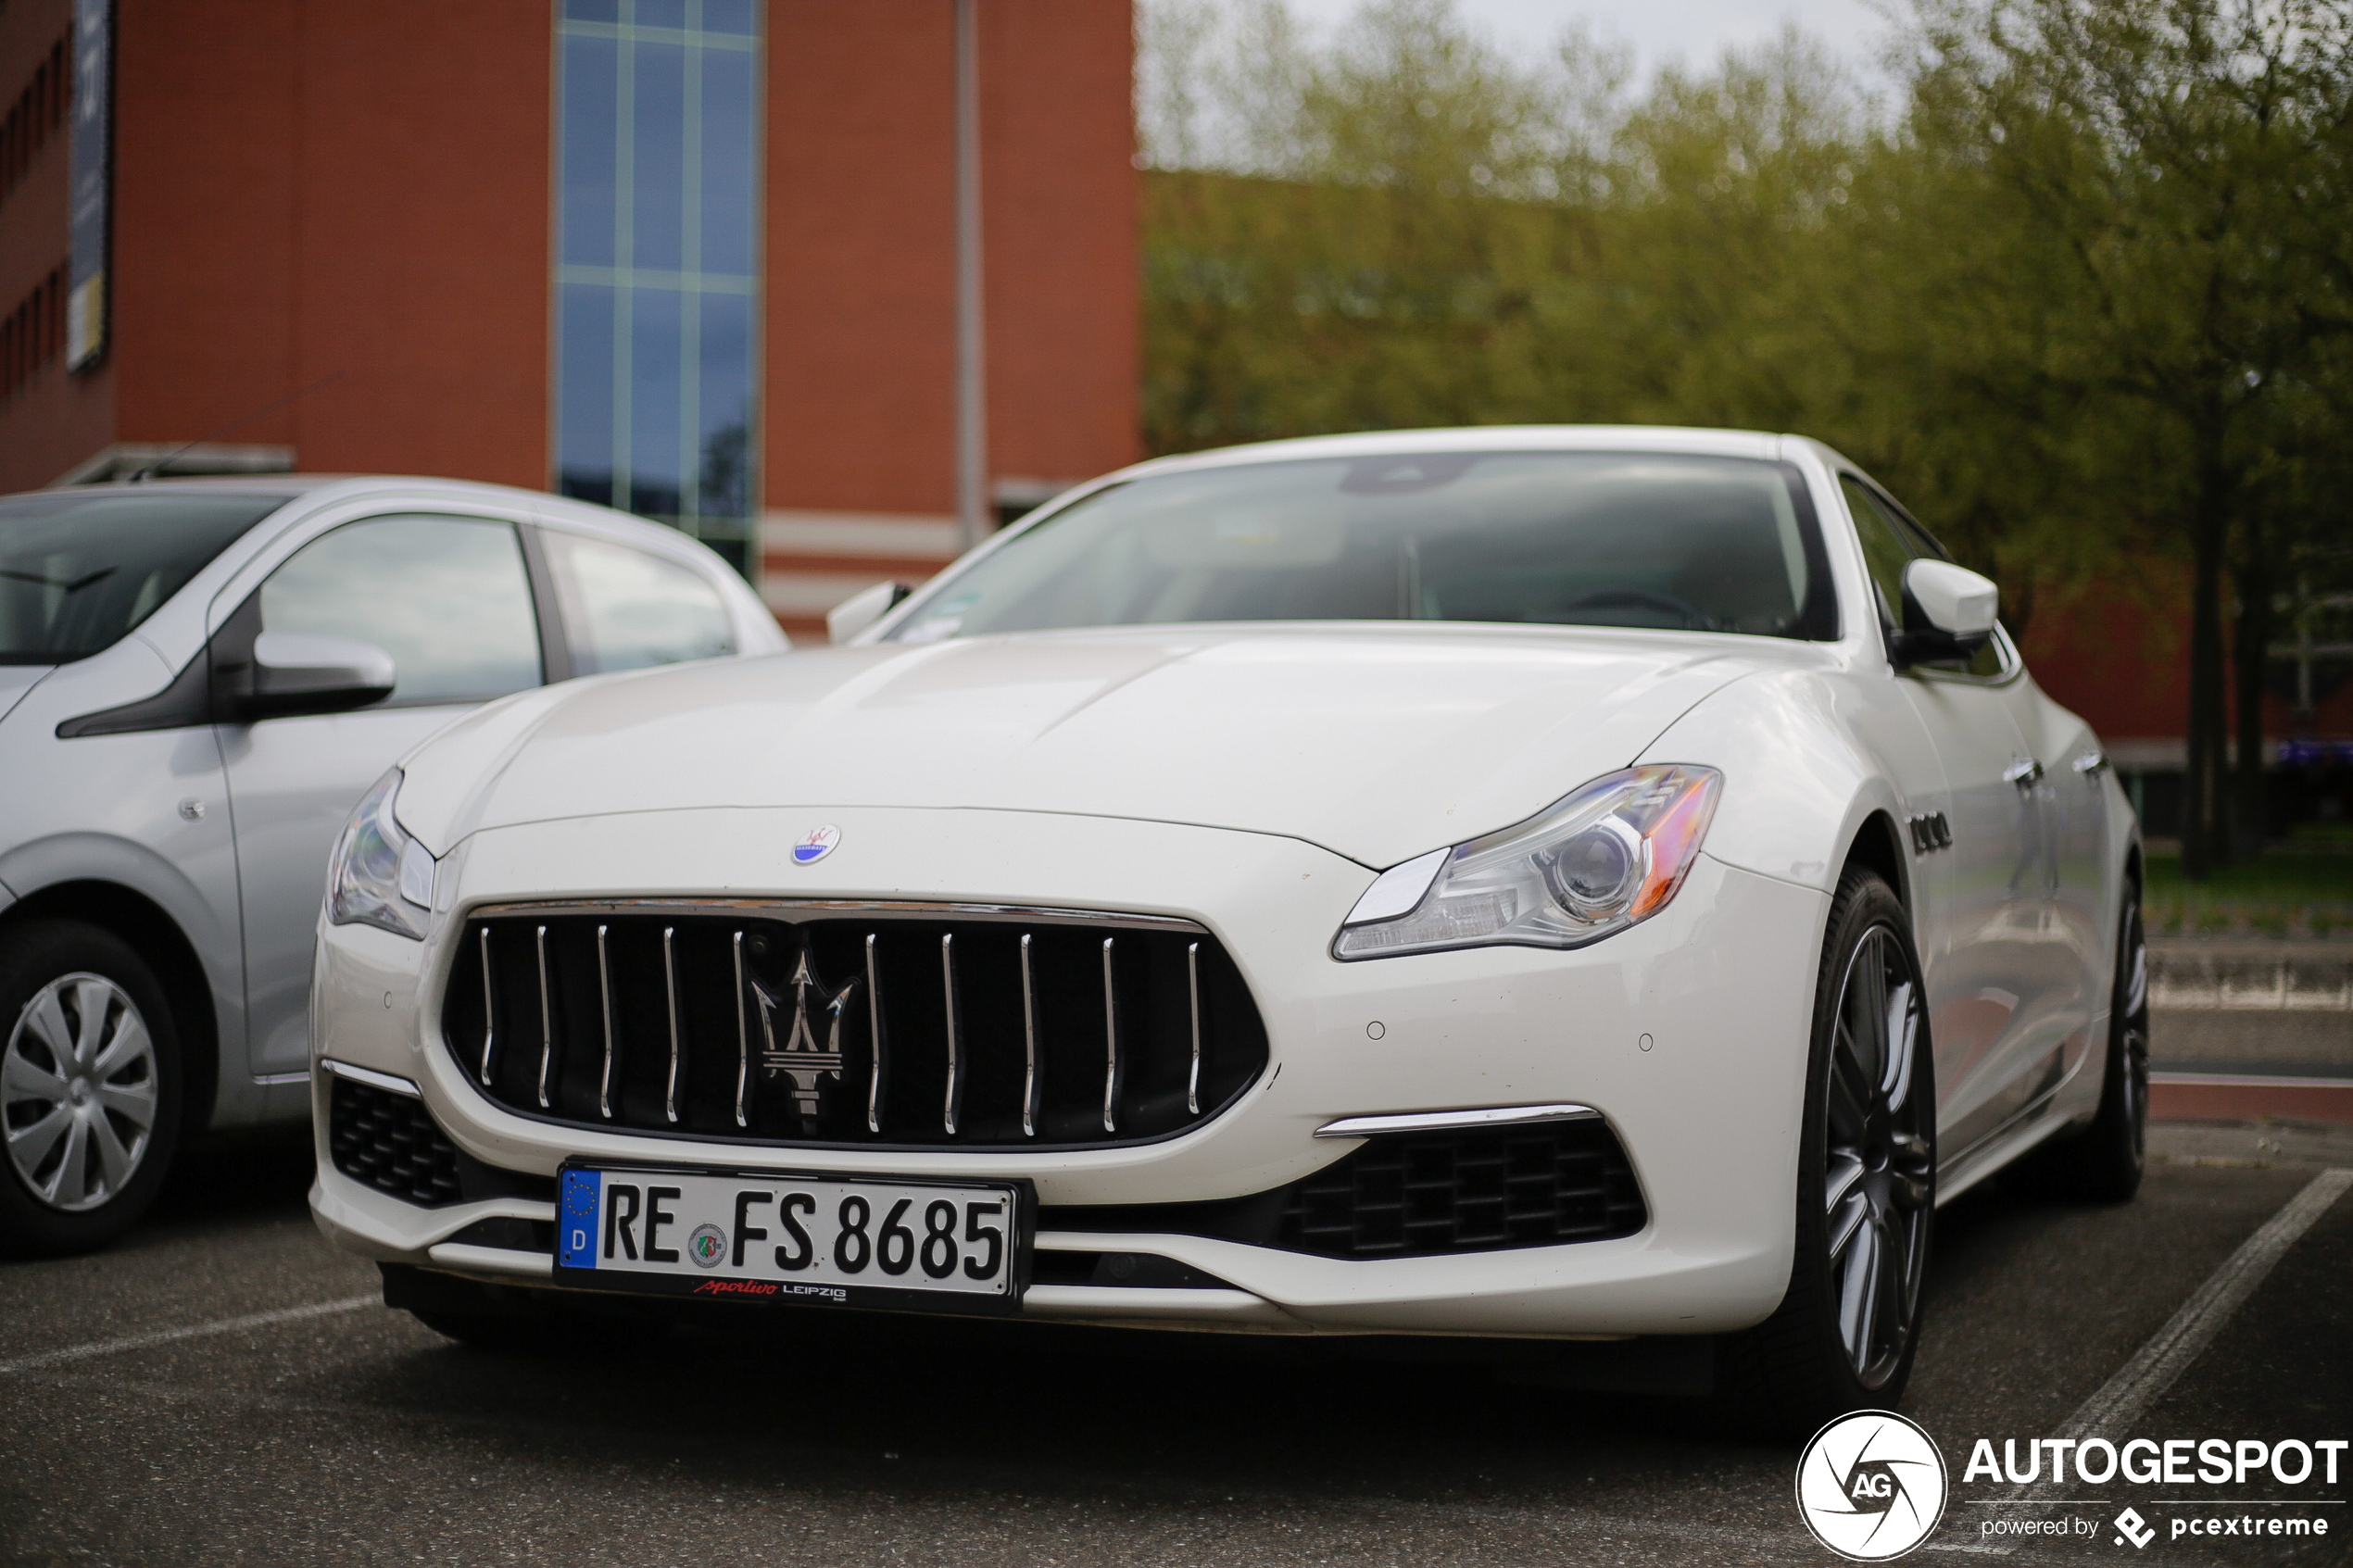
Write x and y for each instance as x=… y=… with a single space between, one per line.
x=1552 y=884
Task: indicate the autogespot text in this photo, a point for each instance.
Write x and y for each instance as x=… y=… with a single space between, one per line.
x=2181 y=1462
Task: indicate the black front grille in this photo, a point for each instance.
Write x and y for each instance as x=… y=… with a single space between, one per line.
x=1418 y=1194
x=390 y=1142
x=787 y=1026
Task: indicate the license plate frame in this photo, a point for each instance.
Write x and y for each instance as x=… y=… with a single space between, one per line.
x=773 y=1286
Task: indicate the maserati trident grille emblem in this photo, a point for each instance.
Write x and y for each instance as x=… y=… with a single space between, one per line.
x=800 y=1057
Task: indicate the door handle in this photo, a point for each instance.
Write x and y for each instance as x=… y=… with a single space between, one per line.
x=2023 y=772
x=2091 y=763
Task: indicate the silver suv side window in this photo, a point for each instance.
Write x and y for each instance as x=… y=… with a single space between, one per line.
x=446 y=597
x=626 y=609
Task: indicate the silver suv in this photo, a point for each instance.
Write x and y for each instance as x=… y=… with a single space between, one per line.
x=198 y=682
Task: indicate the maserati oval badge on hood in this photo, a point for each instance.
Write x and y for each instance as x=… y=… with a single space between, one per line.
x=815 y=845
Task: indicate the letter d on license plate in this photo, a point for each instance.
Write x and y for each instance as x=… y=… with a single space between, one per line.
x=879 y=1241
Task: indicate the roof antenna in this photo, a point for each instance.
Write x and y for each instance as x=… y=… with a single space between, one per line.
x=156 y=467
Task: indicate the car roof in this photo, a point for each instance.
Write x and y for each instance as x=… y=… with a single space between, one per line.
x=539 y=505
x=292 y=484
x=1492 y=438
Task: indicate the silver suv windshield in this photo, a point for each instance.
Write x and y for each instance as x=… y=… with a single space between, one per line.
x=79 y=568
x=1667 y=541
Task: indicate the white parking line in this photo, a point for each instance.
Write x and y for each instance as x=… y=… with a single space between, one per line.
x=167 y=1335
x=2142 y=1381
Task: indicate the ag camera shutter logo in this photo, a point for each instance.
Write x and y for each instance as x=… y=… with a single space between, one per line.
x=1872 y=1485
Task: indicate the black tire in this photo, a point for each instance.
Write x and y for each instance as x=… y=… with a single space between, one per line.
x=1845 y=1334
x=76 y=1004
x=2102 y=1163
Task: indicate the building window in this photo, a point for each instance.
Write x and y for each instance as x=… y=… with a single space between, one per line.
x=38 y=114
x=657 y=252
x=33 y=333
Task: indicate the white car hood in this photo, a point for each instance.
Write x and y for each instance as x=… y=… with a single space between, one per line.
x=1377 y=742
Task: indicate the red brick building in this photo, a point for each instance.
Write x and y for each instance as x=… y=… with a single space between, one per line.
x=695 y=257
x=2123 y=661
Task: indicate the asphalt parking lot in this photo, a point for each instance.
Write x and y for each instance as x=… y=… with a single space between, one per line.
x=222 y=1388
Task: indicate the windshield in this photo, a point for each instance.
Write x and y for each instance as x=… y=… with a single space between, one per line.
x=1690 y=544
x=80 y=568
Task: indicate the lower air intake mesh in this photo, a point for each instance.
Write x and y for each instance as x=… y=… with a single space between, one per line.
x=389 y=1141
x=1408 y=1195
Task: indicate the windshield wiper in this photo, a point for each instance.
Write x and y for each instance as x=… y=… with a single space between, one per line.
x=74 y=586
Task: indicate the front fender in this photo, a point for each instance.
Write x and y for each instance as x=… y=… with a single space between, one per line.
x=1799 y=781
x=105 y=860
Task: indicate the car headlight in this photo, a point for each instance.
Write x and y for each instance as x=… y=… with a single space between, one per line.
x=380 y=876
x=1607 y=858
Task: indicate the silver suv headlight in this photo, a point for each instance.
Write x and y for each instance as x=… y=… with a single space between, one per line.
x=1608 y=856
x=380 y=875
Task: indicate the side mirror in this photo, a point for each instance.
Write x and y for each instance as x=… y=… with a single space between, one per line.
x=1948 y=612
x=861 y=610
x=300 y=672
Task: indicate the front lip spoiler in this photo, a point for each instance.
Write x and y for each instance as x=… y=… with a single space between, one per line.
x=1455 y=1121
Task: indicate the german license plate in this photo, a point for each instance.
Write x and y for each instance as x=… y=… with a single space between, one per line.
x=881 y=1241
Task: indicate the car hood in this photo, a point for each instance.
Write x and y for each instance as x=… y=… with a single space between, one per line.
x=1377 y=743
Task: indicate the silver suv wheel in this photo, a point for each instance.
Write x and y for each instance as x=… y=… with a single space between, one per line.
x=77 y=1092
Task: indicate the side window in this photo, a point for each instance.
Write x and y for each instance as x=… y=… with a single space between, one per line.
x=627 y=609
x=446 y=597
x=1884 y=552
x=1891 y=541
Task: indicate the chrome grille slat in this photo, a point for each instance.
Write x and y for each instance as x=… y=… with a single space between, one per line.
x=1110 y=1038
x=546 y=1023
x=1028 y=1045
x=989 y=1027
x=955 y=1062
x=670 y=995
x=879 y=1046
x=604 y=999
x=743 y=1035
x=489 y=1010
x=1192 y=995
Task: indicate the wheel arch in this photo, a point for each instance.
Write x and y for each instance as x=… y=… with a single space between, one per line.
x=157 y=938
x=1876 y=845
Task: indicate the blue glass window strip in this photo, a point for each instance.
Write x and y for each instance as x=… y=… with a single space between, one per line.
x=658 y=290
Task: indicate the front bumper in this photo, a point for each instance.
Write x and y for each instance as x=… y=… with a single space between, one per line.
x=1688 y=1033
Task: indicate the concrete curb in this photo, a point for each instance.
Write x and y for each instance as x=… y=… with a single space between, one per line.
x=2191 y=976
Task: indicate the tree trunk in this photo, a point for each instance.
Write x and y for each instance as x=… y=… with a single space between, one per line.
x=2250 y=664
x=2202 y=846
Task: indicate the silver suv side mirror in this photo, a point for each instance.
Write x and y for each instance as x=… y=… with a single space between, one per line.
x=303 y=673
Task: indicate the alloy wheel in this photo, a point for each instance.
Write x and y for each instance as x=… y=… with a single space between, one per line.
x=1879 y=1177
x=77 y=1092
